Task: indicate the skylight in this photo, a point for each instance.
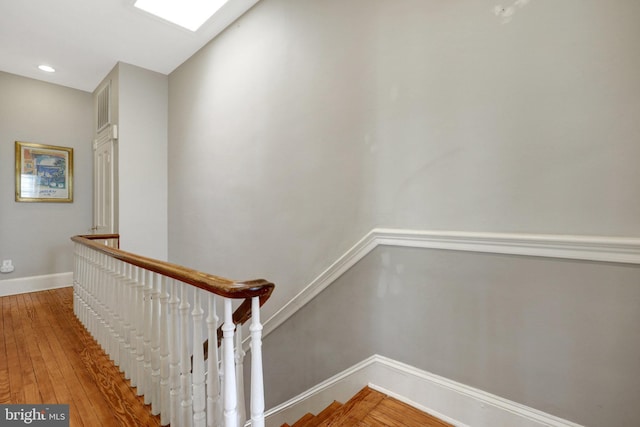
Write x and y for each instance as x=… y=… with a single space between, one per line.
x=189 y=14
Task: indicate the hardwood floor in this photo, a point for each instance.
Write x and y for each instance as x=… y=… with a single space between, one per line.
x=46 y=356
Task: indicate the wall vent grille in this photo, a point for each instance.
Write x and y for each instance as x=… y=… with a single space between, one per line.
x=104 y=107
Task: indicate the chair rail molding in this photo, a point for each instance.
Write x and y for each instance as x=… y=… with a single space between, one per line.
x=574 y=247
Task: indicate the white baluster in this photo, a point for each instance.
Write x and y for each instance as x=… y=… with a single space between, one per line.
x=199 y=399
x=84 y=284
x=107 y=296
x=96 y=283
x=155 y=344
x=165 y=408
x=121 y=313
x=174 y=356
x=99 y=292
x=75 y=278
x=105 y=284
x=140 y=306
x=95 y=301
x=116 y=300
x=239 y=357
x=257 y=382
x=85 y=293
x=127 y=310
x=104 y=280
x=185 y=365
x=230 y=390
x=93 y=294
x=102 y=311
x=77 y=282
x=133 y=332
x=86 y=288
x=112 y=297
x=214 y=402
x=97 y=287
x=148 y=319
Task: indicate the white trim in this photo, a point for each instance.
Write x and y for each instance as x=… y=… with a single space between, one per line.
x=590 y=248
x=340 y=387
x=23 y=285
x=465 y=406
x=335 y=270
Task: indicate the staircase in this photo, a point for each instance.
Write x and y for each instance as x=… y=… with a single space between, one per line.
x=369 y=408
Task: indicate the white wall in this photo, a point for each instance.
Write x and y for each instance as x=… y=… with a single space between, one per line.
x=36 y=236
x=142 y=161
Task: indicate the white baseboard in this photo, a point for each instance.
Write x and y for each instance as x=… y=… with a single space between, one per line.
x=23 y=285
x=456 y=403
x=589 y=248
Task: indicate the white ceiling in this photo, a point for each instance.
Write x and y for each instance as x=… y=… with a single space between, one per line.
x=84 y=39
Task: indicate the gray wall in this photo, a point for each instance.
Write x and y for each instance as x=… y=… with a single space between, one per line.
x=36 y=235
x=139 y=108
x=557 y=335
x=142 y=161
x=308 y=123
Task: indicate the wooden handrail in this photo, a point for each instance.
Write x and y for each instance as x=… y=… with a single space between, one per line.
x=115 y=237
x=208 y=282
x=99 y=236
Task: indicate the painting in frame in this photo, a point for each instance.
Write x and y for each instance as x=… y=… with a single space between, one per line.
x=44 y=173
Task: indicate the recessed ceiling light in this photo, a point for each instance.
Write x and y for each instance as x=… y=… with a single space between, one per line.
x=190 y=14
x=47 y=68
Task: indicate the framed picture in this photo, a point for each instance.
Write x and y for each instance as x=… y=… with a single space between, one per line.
x=44 y=173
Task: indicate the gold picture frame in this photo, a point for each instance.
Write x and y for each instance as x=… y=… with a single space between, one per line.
x=44 y=173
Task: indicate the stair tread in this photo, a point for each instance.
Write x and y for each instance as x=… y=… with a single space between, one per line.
x=370 y=408
x=329 y=410
x=302 y=422
x=324 y=414
x=394 y=413
x=355 y=409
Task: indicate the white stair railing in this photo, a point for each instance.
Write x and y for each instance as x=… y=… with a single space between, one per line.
x=152 y=318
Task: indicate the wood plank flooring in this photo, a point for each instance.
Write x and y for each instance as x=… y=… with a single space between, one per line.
x=46 y=356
